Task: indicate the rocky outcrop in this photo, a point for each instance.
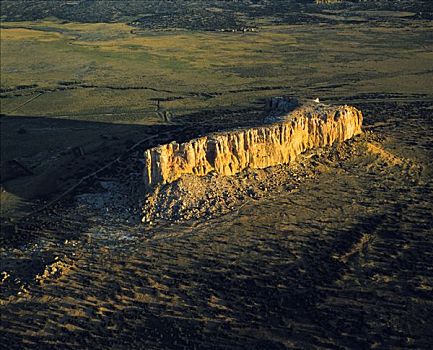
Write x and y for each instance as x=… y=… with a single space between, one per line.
x=228 y=153
x=281 y=104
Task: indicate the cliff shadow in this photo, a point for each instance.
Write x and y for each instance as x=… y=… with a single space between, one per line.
x=43 y=156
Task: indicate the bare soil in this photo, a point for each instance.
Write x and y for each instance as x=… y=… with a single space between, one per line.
x=337 y=256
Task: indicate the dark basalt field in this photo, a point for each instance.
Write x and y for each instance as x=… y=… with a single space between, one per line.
x=333 y=252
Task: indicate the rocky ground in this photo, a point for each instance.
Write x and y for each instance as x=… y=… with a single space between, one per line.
x=194 y=197
x=332 y=253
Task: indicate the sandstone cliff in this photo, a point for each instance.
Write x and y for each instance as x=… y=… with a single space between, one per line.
x=228 y=153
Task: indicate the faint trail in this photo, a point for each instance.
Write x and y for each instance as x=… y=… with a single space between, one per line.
x=89 y=176
x=28 y=101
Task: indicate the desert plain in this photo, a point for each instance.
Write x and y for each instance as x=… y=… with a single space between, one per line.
x=334 y=251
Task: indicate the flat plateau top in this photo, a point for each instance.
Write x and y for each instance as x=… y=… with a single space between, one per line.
x=307 y=110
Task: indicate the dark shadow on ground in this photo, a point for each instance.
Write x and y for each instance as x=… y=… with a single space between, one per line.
x=42 y=158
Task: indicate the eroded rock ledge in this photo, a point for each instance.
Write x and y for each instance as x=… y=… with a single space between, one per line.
x=228 y=153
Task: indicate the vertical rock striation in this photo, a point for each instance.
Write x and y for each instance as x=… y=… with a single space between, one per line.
x=228 y=153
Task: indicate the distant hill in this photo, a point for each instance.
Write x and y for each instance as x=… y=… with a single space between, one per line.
x=195 y=14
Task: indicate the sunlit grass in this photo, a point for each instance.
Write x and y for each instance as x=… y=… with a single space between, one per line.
x=285 y=59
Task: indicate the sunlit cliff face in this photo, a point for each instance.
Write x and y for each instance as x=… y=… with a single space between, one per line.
x=229 y=153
